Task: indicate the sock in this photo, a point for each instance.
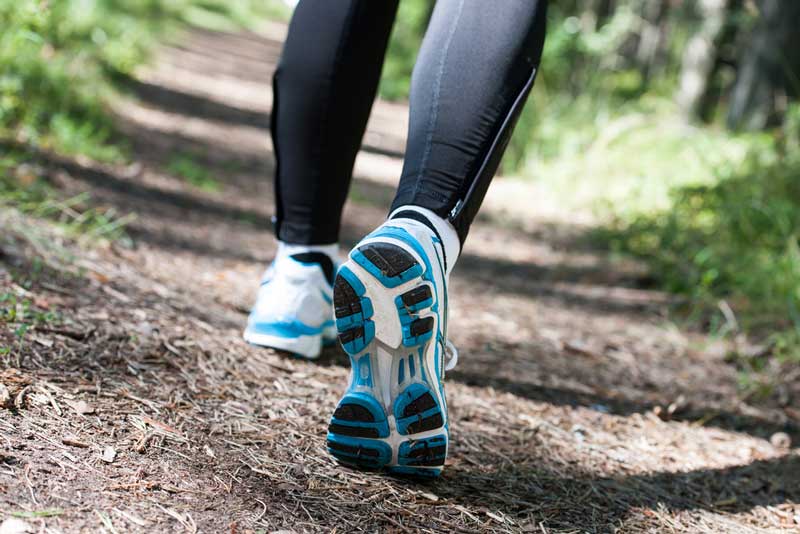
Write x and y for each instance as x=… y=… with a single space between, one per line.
x=445 y=231
x=290 y=249
x=327 y=256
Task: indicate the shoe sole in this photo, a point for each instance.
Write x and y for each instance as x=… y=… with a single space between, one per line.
x=308 y=347
x=393 y=415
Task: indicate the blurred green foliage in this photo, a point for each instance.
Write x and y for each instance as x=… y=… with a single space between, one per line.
x=185 y=166
x=58 y=57
x=23 y=188
x=409 y=29
x=732 y=246
x=58 y=63
x=51 y=58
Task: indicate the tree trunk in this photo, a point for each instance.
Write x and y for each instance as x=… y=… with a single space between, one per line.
x=651 y=37
x=770 y=70
x=595 y=14
x=699 y=58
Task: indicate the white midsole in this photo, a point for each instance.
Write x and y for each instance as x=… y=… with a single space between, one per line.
x=306 y=346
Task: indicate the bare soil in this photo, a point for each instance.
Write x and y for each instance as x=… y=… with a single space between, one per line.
x=577 y=406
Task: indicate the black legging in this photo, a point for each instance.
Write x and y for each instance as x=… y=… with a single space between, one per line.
x=473 y=74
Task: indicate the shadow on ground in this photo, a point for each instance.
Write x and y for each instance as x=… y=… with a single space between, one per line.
x=522 y=487
x=526 y=280
x=513 y=474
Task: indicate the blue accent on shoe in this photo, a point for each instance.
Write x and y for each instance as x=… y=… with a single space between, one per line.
x=410 y=340
x=359 y=452
x=379 y=422
x=408 y=315
x=401 y=234
x=344 y=441
x=364 y=367
x=427 y=452
x=345 y=323
x=437 y=362
x=408 y=310
x=416 y=472
x=360 y=343
x=422 y=364
x=352 y=279
x=288 y=329
x=409 y=395
x=356 y=320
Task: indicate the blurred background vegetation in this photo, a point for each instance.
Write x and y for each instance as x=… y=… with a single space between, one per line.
x=675 y=121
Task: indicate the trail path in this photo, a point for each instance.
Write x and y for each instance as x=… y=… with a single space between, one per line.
x=576 y=406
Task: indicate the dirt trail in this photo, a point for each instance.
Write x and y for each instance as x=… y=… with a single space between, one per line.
x=576 y=405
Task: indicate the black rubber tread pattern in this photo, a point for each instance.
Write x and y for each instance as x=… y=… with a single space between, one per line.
x=353 y=431
x=349 y=335
x=345 y=300
x=419 y=405
x=427 y=456
x=427 y=462
x=429 y=423
x=427 y=452
x=416 y=295
x=353 y=412
x=421 y=326
x=390 y=259
x=350 y=449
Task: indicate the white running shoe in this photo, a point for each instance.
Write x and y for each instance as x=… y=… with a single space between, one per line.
x=390 y=302
x=293 y=309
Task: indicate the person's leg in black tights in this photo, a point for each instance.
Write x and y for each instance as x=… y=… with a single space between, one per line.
x=472 y=77
x=324 y=87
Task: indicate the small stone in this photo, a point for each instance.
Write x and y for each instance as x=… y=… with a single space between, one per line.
x=781 y=440
x=109 y=454
x=579 y=432
x=82 y=407
x=13 y=525
x=5 y=397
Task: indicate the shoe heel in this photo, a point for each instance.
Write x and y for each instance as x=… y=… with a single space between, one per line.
x=355 y=430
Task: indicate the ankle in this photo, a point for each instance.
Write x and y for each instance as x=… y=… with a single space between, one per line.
x=441 y=227
x=325 y=256
x=292 y=249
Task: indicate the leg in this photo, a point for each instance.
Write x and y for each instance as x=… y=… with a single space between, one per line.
x=472 y=77
x=324 y=88
x=473 y=74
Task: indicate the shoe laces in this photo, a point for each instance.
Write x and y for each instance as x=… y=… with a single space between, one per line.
x=450 y=355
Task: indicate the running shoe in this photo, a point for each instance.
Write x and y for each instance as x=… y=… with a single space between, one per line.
x=293 y=309
x=390 y=303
